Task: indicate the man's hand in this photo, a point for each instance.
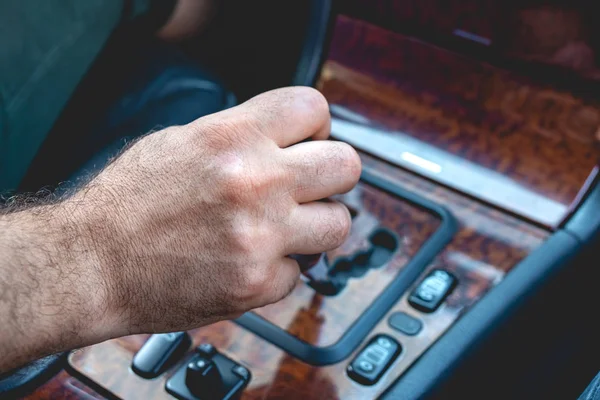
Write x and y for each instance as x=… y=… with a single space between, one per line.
x=191 y=225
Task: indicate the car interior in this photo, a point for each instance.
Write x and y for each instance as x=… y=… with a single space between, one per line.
x=471 y=266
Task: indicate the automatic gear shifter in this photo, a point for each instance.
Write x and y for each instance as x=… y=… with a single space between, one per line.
x=314 y=267
x=316 y=273
x=329 y=280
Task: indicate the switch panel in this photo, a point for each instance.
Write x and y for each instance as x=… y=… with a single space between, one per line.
x=432 y=291
x=208 y=375
x=160 y=352
x=374 y=359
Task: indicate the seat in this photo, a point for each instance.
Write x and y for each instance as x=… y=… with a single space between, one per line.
x=157 y=87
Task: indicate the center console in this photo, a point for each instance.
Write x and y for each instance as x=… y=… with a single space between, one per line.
x=316 y=344
x=472 y=174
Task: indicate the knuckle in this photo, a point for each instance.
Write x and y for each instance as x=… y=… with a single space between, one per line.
x=233 y=192
x=235 y=185
x=214 y=134
x=281 y=285
x=315 y=101
x=243 y=241
x=238 y=185
x=253 y=282
x=223 y=131
x=252 y=241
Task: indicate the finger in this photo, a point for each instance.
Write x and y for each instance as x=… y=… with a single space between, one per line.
x=290 y=115
x=321 y=169
x=317 y=227
x=284 y=279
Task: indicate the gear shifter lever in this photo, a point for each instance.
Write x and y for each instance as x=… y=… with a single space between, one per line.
x=314 y=267
x=330 y=280
x=315 y=272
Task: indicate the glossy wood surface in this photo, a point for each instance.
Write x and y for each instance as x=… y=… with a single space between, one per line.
x=547 y=35
x=64 y=386
x=543 y=140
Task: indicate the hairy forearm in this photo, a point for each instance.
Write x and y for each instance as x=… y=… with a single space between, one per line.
x=50 y=296
x=189 y=226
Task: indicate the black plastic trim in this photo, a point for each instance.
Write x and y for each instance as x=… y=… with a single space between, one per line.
x=585 y=222
x=435 y=366
x=20 y=382
x=315 y=43
x=352 y=338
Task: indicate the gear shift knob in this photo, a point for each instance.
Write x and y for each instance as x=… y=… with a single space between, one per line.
x=202 y=378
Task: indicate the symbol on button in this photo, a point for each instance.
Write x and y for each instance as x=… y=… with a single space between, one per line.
x=442 y=275
x=207 y=349
x=366 y=366
x=425 y=294
x=241 y=371
x=383 y=342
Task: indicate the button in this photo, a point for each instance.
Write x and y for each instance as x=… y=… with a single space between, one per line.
x=374 y=355
x=432 y=291
x=200 y=364
x=206 y=349
x=366 y=366
x=171 y=337
x=377 y=351
x=241 y=372
x=209 y=378
x=385 y=343
x=425 y=294
x=405 y=323
x=159 y=353
x=202 y=378
x=374 y=359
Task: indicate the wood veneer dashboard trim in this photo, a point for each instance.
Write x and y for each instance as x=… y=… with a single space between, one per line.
x=561 y=78
x=483 y=133
x=354 y=336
